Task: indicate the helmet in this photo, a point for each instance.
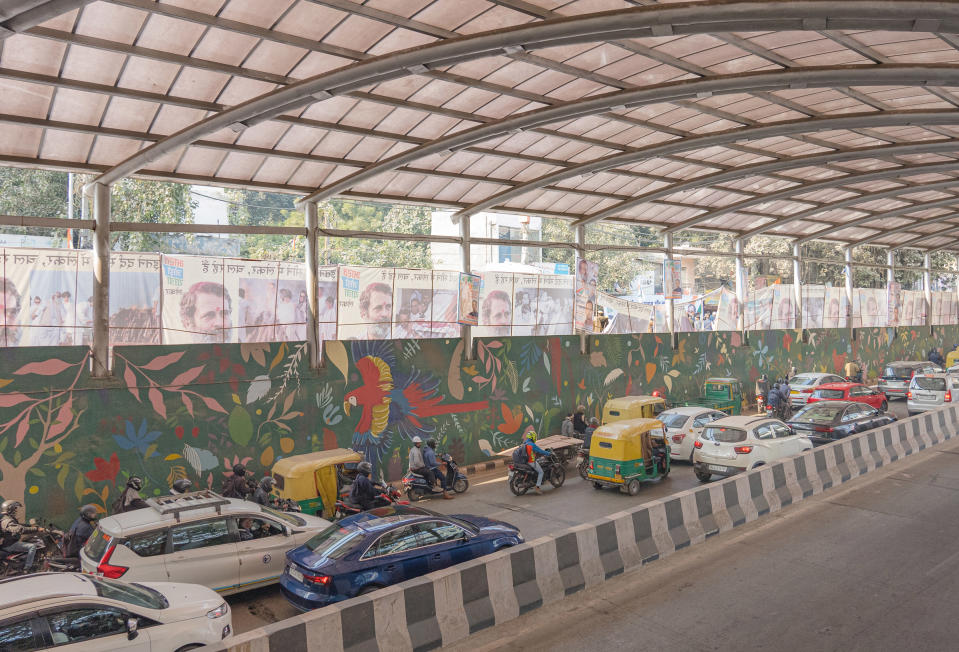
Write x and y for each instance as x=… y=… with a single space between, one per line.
x=267 y=483
x=431 y=443
x=365 y=468
x=182 y=485
x=88 y=513
x=10 y=507
x=417 y=440
x=530 y=434
x=594 y=421
x=239 y=469
x=135 y=481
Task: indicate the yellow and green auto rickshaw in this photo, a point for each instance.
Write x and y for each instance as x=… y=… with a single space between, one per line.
x=633 y=407
x=623 y=454
x=314 y=479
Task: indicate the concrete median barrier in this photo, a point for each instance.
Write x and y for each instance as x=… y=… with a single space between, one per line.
x=451 y=604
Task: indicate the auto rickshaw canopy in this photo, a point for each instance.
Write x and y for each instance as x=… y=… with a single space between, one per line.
x=312 y=475
x=632 y=407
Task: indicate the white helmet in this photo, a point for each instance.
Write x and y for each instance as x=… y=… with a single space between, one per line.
x=417 y=440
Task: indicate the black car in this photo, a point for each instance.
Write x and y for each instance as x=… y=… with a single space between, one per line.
x=895 y=377
x=827 y=421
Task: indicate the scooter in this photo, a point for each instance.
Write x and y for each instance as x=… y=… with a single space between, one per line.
x=455 y=480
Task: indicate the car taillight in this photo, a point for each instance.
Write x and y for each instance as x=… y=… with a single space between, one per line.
x=806 y=391
x=743 y=450
x=106 y=569
x=697 y=444
x=823 y=429
x=948 y=396
x=510 y=467
x=678 y=439
x=908 y=395
x=322 y=580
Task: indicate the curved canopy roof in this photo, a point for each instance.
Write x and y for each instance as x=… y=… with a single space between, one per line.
x=805 y=118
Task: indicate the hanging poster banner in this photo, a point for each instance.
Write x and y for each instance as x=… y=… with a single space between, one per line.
x=412 y=303
x=617 y=311
x=258 y=307
x=813 y=305
x=197 y=307
x=660 y=323
x=292 y=304
x=640 y=317
x=672 y=279
x=759 y=309
x=586 y=284
x=443 y=315
x=134 y=300
x=688 y=315
x=727 y=314
x=784 y=312
x=525 y=303
x=45 y=284
x=326 y=278
x=468 y=300
x=496 y=305
x=832 y=308
x=365 y=303
x=554 y=308
x=893 y=304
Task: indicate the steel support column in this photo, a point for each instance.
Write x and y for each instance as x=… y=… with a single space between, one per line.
x=797 y=285
x=579 y=233
x=312 y=299
x=740 y=245
x=847 y=273
x=670 y=318
x=927 y=286
x=101 y=280
x=466 y=331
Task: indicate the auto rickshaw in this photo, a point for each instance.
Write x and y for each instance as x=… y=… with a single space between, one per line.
x=622 y=454
x=314 y=480
x=952 y=358
x=633 y=407
x=722 y=394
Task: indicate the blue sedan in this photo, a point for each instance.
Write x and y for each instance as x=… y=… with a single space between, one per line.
x=385 y=546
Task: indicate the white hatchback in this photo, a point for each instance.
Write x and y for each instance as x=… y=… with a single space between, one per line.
x=683 y=425
x=79 y=613
x=227 y=544
x=740 y=443
x=801 y=386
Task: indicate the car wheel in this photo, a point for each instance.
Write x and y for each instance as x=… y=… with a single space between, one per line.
x=702 y=476
x=557 y=477
x=690 y=458
x=633 y=487
x=757 y=465
x=191 y=646
x=517 y=486
x=461 y=485
x=884 y=406
x=369 y=588
x=597 y=485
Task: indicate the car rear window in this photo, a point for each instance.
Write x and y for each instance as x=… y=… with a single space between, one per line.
x=895 y=371
x=818 y=413
x=673 y=420
x=929 y=384
x=828 y=393
x=97 y=545
x=724 y=435
x=149 y=544
x=289 y=517
x=134 y=594
x=335 y=542
x=802 y=381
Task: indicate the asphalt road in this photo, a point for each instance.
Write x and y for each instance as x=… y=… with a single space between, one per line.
x=869 y=566
x=574 y=503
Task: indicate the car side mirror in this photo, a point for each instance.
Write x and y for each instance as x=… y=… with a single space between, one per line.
x=286 y=531
x=132 y=625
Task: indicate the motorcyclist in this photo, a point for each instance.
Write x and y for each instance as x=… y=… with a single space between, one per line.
x=531 y=451
x=590 y=429
x=936 y=358
x=130 y=499
x=80 y=531
x=11 y=530
x=365 y=492
x=417 y=465
x=773 y=398
x=785 y=405
x=236 y=485
x=181 y=486
x=433 y=468
x=762 y=387
x=853 y=371
x=263 y=490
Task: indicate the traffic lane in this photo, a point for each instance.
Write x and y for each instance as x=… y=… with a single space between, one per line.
x=869 y=566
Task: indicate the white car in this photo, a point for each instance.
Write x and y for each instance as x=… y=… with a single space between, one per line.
x=683 y=425
x=74 y=612
x=227 y=544
x=737 y=444
x=931 y=391
x=801 y=386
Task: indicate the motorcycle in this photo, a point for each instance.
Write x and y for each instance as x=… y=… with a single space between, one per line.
x=287 y=505
x=49 y=543
x=455 y=480
x=583 y=464
x=522 y=477
x=346 y=507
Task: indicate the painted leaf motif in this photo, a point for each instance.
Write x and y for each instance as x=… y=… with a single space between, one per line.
x=49 y=367
x=131 y=380
x=240 y=426
x=187 y=376
x=5 y=381
x=163 y=361
x=453 y=381
x=172 y=456
x=259 y=387
x=156 y=400
x=187 y=403
x=288 y=403
x=612 y=376
x=22 y=429
x=212 y=404
x=512 y=420
x=64 y=417
x=650 y=371
x=336 y=353
x=9 y=400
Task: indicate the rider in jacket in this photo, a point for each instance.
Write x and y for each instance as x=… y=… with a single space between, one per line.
x=80 y=531
x=433 y=468
x=130 y=499
x=364 y=492
x=531 y=451
x=236 y=485
x=11 y=530
x=263 y=490
x=181 y=486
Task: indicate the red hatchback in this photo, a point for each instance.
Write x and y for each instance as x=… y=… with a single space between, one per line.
x=850 y=392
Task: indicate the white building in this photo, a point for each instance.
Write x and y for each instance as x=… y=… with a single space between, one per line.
x=488 y=256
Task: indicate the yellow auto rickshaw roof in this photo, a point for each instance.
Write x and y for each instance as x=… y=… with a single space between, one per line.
x=626 y=402
x=300 y=464
x=627 y=428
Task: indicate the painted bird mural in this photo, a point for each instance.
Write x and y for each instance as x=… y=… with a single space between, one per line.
x=392 y=401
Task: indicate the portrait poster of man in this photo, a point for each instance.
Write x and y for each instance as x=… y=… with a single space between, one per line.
x=255 y=284
x=727 y=314
x=197 y=307
x=326 y=290
x=784 y=312
x=813 y=304
x=525 y=303
x=587 y=273
x=292 y=305
x=496 y=305
x=49 y=278
x=672 y=279
x=134 y=300
x=365 y=309
x=833 y=312
x=468 y=299
x=412 y=303
x=759 y=309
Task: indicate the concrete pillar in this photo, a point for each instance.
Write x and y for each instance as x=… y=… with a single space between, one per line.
x=741 y=284
x=466 y=331
x=847 y=272
x=101 y=281
x=797 y=284
x=890 y=278
x=312 y=300
x=927 y=286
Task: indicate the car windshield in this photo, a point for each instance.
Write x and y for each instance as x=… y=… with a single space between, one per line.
x=929 y=384
x=895 y=371
x=802 y=381
x=285 y=516
x=96 y=545
x=135 y=594
x=818 y=414
x=724 y=435
x=335 y=542
x=673 y=420
x=828 y=393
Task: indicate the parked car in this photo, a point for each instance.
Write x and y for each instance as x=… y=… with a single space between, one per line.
x=930 y=391
x=385 y=546
x=851 y=392
x=826 y=421
x=73 y=611
x=683 y=425
x=896 y=376
x=802 y=386
x=226 y=544
x=736 y=444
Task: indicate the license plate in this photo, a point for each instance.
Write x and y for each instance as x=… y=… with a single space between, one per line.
x=794 y=392
x=295 y=574
x=717 y=468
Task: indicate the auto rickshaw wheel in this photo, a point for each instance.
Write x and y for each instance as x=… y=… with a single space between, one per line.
x=597 y=485
x=633 y=487
x=664 y=469
x=557 y=477
x=461 y=485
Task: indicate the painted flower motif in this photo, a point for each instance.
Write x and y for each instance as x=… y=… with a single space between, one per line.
x=105 y=470
x=138 y=438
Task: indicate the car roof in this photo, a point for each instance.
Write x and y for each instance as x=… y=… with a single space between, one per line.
x=935 y=374
x=364 y=520
x=836 y=402
x=147 y=518
x=42 y=586
x=908 y=363
x=813 y=374
x=739 y=421
x=378 y=524
x=722 y=379
x=687 y=410
x=623 y=402
x=840 y=385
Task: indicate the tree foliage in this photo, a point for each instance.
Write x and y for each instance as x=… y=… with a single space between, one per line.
x=154 y=202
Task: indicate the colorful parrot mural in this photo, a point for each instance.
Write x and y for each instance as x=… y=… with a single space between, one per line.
x=400 y=402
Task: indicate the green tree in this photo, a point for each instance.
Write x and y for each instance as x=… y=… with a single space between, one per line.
x=615 y=265
x=154 y=202
x=34 y=193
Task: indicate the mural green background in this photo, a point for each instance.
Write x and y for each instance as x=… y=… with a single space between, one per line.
x=173 y=411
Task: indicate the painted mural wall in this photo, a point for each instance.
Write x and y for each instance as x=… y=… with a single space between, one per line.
x=194 y=410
